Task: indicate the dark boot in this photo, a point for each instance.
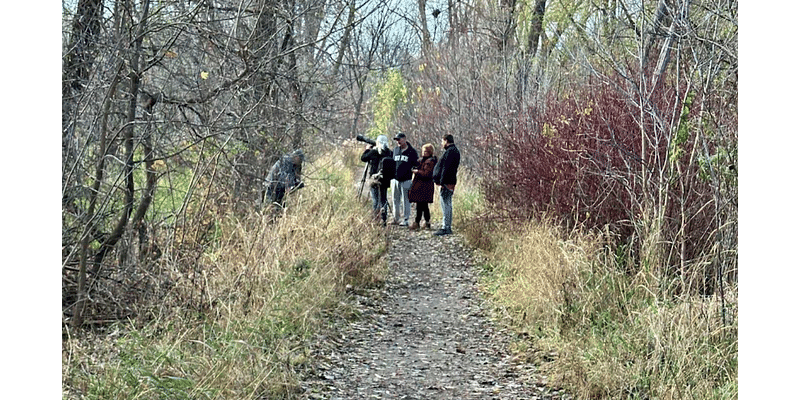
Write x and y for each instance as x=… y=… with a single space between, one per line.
x=443 y=231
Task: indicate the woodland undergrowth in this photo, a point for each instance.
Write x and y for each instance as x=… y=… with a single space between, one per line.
x=269 y=282
x=612 y=299
x=237 y=323
x=601 y=332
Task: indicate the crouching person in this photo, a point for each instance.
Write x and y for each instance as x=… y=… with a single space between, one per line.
x=284 y=177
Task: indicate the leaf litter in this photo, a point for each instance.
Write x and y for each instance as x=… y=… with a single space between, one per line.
x=427 y=333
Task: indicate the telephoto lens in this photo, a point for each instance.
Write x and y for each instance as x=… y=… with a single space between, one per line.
x=362 y=138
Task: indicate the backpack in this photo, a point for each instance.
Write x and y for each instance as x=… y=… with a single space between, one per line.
x=386 y=170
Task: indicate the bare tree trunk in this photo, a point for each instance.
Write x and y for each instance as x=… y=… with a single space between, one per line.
x=312 y=24
x=264 y=35
x=506 y=39
x=93 y=195
x=346 y=38
x=657 y=26
x=532 y=45
x=537 y=21
x=127 y=210
x=453 y=23
x=423 y=21
x=78 y=60
x=80 y=52
x=150 y=173
x=359 y=103
x=294 y=82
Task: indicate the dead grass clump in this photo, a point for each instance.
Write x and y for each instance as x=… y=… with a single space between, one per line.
x=535 y=272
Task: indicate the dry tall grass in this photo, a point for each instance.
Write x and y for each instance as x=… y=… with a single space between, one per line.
x=602 y=333
x=259 y=290
x=263 y=285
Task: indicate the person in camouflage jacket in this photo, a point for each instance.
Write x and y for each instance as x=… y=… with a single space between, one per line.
x=284 y=175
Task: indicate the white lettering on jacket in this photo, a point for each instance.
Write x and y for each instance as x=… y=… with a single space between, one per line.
x=401 y=158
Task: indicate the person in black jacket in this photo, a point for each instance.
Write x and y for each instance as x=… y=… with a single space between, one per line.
x=444 y=175
x=405 y=158
x=382 y=179
x=373 y=155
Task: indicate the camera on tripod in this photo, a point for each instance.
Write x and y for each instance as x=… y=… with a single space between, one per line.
x=362 y=138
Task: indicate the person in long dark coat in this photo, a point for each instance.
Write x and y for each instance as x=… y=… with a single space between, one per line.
x=421 y=191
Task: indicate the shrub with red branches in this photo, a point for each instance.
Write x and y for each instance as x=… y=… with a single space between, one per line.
x=573 y=159
x=597 y=159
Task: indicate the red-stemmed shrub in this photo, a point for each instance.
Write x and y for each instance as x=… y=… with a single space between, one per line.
x=574 y=159
x=595 y=159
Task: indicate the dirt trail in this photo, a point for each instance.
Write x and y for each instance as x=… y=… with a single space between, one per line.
x=426 y=334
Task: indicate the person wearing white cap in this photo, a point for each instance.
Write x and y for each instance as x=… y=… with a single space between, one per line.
x=374 y=155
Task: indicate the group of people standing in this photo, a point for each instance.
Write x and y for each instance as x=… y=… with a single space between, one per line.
x=412 y=179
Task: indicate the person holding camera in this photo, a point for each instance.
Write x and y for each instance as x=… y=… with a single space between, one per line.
x=422 y=187
x=405 y=158
x=382 y=180
x=373 y=155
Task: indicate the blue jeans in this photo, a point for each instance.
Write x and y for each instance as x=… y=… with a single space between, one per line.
x=379 y=203
x=375 y=193
x=447 y=206
x=383 y=204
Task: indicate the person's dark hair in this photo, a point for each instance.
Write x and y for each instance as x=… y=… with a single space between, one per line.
x=448 y=138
